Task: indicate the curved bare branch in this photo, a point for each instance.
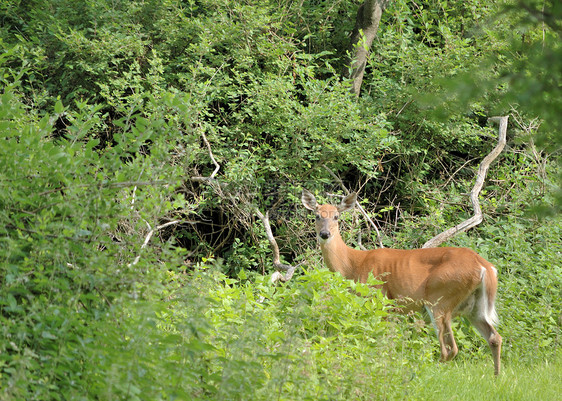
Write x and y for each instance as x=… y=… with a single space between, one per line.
x=212 y=157
x=480 y=177
x=289 y=270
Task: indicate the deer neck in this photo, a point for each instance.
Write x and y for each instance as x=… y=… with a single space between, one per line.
x=338 y=256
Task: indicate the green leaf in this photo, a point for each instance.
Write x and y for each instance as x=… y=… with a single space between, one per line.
x=59 y=108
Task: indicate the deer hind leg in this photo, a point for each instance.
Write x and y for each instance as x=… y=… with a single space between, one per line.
x=492 y=337
x=450 y=338
x=442 y=321
x=483 y=317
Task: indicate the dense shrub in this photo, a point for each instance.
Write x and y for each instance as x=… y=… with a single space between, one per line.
x=128 y=273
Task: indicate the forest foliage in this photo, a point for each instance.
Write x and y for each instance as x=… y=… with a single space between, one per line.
x=128 y=273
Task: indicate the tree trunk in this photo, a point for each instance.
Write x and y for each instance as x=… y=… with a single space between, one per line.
x=366 y=26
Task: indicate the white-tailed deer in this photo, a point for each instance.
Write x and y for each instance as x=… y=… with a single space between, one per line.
x=446 y=281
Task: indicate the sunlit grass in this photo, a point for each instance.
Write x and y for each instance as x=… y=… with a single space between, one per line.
x=468 y=380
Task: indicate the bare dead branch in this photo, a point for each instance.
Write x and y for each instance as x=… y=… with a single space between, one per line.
x=480 y=177
x=148 y=236
x=456 y=171
x=108 y=184
x=212 y=157
x=133 y=197
x=289 y=270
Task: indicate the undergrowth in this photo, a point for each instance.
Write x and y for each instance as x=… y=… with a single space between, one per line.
x=138 y=138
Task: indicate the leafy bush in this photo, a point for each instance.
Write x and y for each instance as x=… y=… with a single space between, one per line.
x=237 y=338
x=73 y=218
x=128 y=273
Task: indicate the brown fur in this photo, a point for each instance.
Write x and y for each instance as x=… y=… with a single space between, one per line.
x=448 y=281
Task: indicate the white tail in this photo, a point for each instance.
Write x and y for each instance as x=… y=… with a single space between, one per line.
x=446 y=281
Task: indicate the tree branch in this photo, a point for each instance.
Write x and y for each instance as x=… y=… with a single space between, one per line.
x=148 y=236
x=290 y=270
x=217 y=165
x=480 y=177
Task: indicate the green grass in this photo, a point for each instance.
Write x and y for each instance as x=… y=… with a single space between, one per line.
x=469 y=380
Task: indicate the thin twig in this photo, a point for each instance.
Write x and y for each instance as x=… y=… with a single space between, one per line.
x=148 y=236
x=403 y=107
x=217 y=165
x=456 y=171
x=107 y=184
x=133 y=197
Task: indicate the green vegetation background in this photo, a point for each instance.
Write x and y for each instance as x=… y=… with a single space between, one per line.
x=106 y=109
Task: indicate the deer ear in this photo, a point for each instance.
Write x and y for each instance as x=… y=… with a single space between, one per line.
x=348 y=202
x=308 y=200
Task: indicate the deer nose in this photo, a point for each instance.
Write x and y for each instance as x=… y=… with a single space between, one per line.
x=324 y=234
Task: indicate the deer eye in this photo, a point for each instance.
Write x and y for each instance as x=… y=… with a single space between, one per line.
x=317 y=217
x=336 y=216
